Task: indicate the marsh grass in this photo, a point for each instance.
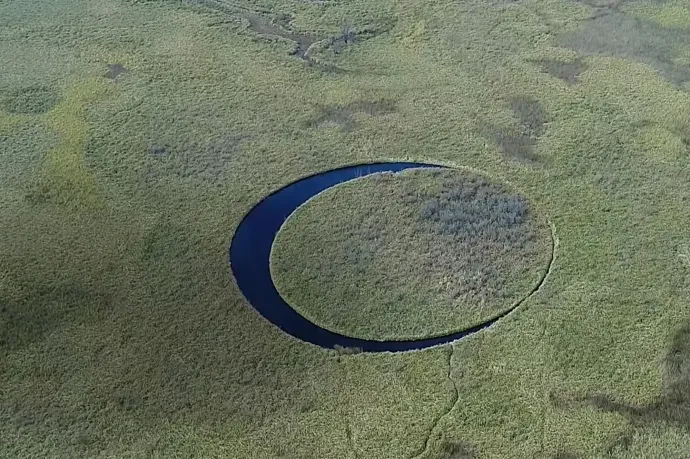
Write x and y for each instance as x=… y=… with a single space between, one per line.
x=464 y=250
x=264 y=23
x=566 y=71
x=348 y=36
x=28 y=320
x=673 y=407
x=602 y=7
x=345 y=115
x=263 y=26
x=342 y=351
x=457 y=451
x=518 y=142
x=566 y=455
x=626 y=36
x=351 y=35
x=114 y=71
x=530 y=113
x=124 y=335
x=32 y=100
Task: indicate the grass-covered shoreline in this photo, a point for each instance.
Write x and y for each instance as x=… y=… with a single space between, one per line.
x=122 y=333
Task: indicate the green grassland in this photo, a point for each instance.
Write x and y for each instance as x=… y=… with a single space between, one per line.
x=411 y=255
x=122 y=333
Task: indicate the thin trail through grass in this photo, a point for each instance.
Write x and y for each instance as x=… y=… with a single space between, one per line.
x=454 y=401
x=456 y=397
x=351 y=440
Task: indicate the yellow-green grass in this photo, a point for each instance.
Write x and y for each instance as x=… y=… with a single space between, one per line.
x=411 y=255
x=124 y=335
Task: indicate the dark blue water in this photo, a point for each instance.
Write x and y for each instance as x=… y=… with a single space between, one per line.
x=250 y=253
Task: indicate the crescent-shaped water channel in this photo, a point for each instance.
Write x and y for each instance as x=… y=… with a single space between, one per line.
x=250 y=253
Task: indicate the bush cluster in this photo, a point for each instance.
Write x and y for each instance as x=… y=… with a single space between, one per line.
x=496 y=229
x=481 y=213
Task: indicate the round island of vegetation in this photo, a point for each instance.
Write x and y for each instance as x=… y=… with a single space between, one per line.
x=410 y=255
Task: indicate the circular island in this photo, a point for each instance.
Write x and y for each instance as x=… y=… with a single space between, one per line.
x=398 y=256
x=409 y=255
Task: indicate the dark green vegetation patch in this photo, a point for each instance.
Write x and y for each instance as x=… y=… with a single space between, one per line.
x=410 y=255
x=345 y=115
x=518 y=142
x=114 y=71
x=457 y=451
x=670 y=409
x=566 y=71
x=673 y=406
x=32 y=100
x=626 y=36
